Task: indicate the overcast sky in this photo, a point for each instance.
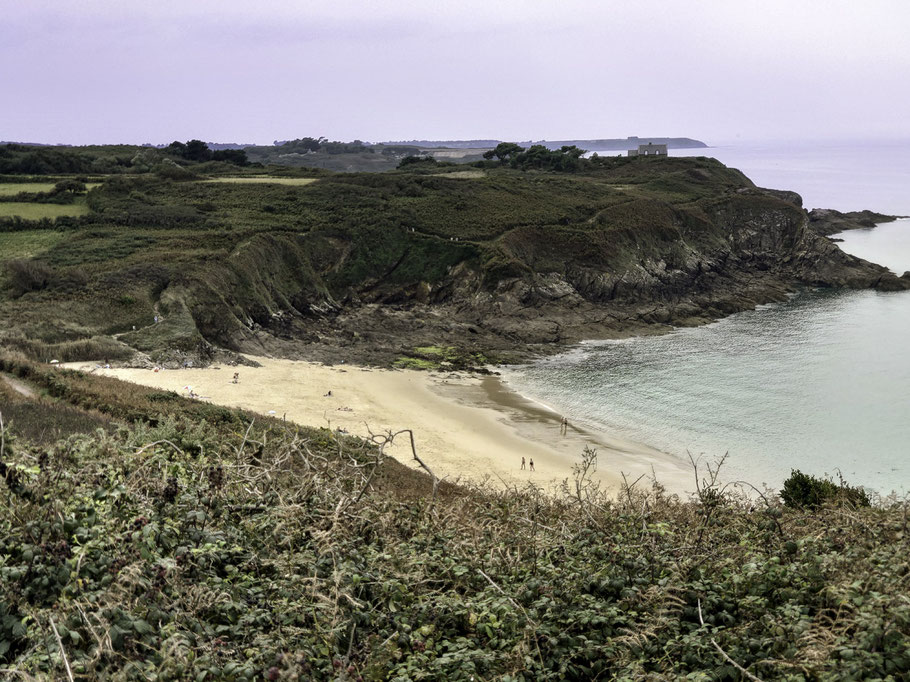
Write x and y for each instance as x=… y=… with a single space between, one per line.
x=109 y=71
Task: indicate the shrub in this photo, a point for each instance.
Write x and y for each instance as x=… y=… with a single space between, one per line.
x=28 y=275
x=184 y=546
x=172 y=171
x=802 y=491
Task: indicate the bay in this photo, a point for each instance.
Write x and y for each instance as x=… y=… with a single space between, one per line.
x=820 y=383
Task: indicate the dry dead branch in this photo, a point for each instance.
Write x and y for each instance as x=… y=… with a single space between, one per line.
x=724 y=653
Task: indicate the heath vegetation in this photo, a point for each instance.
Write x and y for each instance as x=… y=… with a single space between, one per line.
x=160 y=538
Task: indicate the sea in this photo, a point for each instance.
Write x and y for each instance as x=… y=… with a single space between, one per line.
x=819 y=383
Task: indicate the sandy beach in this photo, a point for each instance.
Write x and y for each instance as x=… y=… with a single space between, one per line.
x=466 y=427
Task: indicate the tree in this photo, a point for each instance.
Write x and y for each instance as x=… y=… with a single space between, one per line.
x=566 y=159
x=235 y=156
x=504 y=151
x=176 y=148
x=197 y=150
x=411 y=160
x=71 y=186
x=193 y=150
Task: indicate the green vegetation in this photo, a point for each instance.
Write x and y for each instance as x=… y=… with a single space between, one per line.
x=146 y=536
x=8 y=189
x=235 y=247
x=808 y=492
x=415 y=363
x=197 y=150
x=27 y=244
x=32 y=211
x=356 y=156
x=443 y=357
x=41 y=160
x=167 y=539
x=566 y=159
x=322 y=144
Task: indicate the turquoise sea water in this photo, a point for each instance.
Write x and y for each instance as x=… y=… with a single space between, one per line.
x=820 y=383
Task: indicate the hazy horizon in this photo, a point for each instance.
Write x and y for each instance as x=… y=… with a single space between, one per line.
x=711 y=144
x=101 y=72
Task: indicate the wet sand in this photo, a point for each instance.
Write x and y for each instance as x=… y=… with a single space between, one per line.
x=465 y=427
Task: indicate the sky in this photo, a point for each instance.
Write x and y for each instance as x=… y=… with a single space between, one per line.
x=109 y=71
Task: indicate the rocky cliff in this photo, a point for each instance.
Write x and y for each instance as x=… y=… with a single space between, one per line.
x=639 y=265
x=370 y=266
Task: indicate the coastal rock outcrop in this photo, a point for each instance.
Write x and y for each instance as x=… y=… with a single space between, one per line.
x=641 y=266
x=501 y=261
x=827 y=221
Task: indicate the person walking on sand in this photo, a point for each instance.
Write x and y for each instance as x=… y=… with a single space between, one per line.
x=531 y=464
x=522 y=463
x=236 y=377
x=564 y=426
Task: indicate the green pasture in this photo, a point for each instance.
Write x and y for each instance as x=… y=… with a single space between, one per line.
x=31 y=211
x=11 y=189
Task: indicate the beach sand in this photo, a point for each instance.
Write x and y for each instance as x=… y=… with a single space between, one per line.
x=465 y=427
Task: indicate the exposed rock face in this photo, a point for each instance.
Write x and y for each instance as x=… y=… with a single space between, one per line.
x=638 y=267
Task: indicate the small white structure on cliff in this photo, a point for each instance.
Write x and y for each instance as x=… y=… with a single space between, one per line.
x=649 y=150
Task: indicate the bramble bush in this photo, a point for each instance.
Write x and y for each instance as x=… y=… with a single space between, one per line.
x=222 y=547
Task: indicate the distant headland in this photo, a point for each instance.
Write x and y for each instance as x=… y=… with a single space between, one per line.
x=595 y=145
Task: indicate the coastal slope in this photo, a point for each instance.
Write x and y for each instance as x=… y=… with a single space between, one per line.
x=428 y=261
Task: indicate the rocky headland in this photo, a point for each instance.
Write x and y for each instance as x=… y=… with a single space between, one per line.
x=826 y=221
x=420 y=264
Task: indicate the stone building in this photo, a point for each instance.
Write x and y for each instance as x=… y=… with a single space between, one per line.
x=649 y=150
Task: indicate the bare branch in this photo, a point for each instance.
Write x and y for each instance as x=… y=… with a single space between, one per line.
x=69 y=671
x=245 y=436
x=388 y=438
x=157 y=442
x=724 y=653
x=13 y=671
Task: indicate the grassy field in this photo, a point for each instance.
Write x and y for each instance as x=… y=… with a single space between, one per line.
x=27 y=244
x=468 y=174
x=30 y=211
x=10 y=189
x=270 y=180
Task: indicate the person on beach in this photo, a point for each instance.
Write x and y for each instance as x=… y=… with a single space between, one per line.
x=522 y=463
x=531 y=464
x=564 y=426
x=236 y=377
